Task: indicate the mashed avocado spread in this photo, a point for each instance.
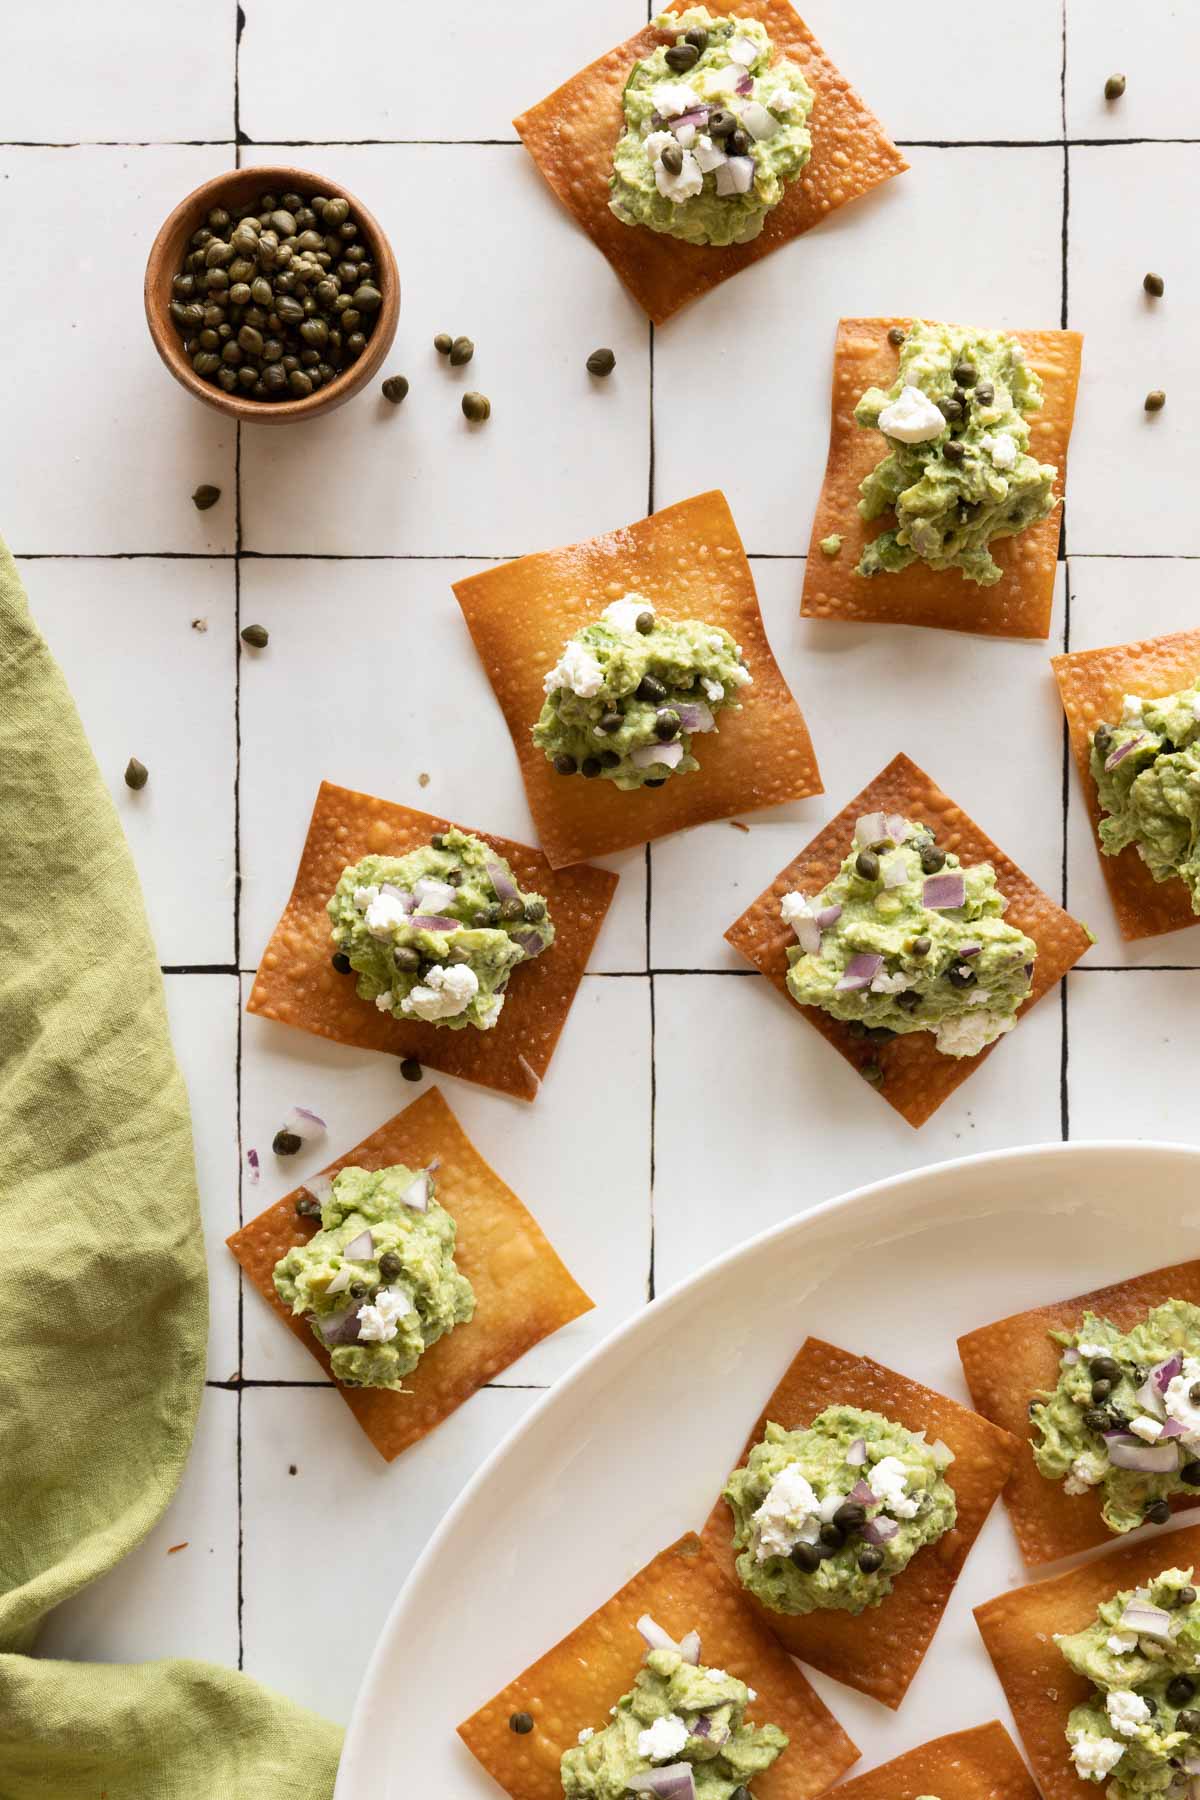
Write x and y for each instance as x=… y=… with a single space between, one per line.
x=680 y=1718
x=827 y=1516
x=1139 y=1732
x=630 y=693
x=378 y=1282
x=906 y=939
x=1147 y=774
x=958 y=472
x=714 y=130
x=436 y=934
x=1125 y=1416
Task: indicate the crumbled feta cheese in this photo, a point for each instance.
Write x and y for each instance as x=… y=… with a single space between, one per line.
x=708 y=155
x=1095 y=1757
x=587 y=1734
x=718 y=1674
x=1180 y=1405
x=1146 y=1428
x=913 y=418
x=713 y=690
x=384 y=912
x=1131 y=710
x=741 y=677
x=663 y=1740
x=1090 y=1350
x=715 y=641
x=1001 y=448
x=623 y=615
x=385 y=1000
x=760 y=123
x=1087 y=1471
x=489 y=1010
x=1126 y=1711
x=656 y=143
x=433 y=895
x=377 y=1321
x=685 y=135
x=715 y=84
x=781 y=99
x=363 y=896
x=576 y=669
x=674 y=97
x=789 y=1502
x=751 y=1693
x=444 y=993
x=792 y=907
x=1122 y=1642
x=888 y=1481
x=681 y=187
x=890 y=984
x=968 y=1033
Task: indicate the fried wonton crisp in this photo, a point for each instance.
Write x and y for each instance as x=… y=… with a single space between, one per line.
x=980 y=1764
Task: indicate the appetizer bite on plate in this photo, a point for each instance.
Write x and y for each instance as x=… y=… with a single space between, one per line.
x=673 y=1689
x=908 y=939
x=1100 y=1669
x=974 y=426
x=857 y=1499
x=637 y=683
x=980 y=1764
x=1133 y=711
x=407 y=934
x=714 y=135
x=411 y=1272
x=1100 y=1388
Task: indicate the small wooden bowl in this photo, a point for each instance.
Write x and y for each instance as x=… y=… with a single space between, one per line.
x=166 y=259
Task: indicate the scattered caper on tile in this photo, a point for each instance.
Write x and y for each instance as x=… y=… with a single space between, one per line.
x=341 y=962
x=873 y=1073
x=411 y=1070
x=476 y=407
x=395 y=388
x=285 y=1143
x=136 y=773
x=896 y=334
x=443 y=343
x=601 y=362
x=257 y=636
x=205 y=496
x=1156 y=399
x=1114 y=87
x=461 y=351
x=520 y=1722
x=1154 y=284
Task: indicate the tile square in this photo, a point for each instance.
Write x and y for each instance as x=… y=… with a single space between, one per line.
x=101 y=452
x=1151 y=46
x=861 y=261
x=92 y=72
x=1115 y=601
x=704 y=879
x=730 y=1052
x=1124 y=492
x=392 y=1508
x=148 y=684
x=202 y=1011
x=155 y=1604
x=311 y=710
x=286 y=92
x=555 y=1164
x=563 y=456
x=1143 y=1018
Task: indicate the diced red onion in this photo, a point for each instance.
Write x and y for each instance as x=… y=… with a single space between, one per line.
x=942 y=893
x=694 y=715
x=943 y=1455
x=304 y=1124
x=531 y=942
x=339 y=1328
x=253 y=1164
x=828 y=916
x=434 y=922
x=697 y=117
x=340 y=1282
x=1029 y=971
x=741 y=50
x=760 y=123
x=1146 y=1620
x=429 y=893
x=808 y=934
x=320 y=1187
x=860 y=971
x=1123 y=750
x=1126 y=1452
x=708 y=155
x=1070 y=1358
x=735 y=176
x=969 y=949
x=416 y=1194
x=897 y=827
x=1191 y=1765
x=703 y=1726
x=653 y=1634
x=401 y=895
x=895 y=870
x=506 y=888
x=856 y=1455
x=862 y=1494
x=745 y=85
x=1173 y=1429
x=1166 y=1372
x=879 y=1531
x=1150 y=1398
x=675 y=1781
x=689 y=1647
x=361 y=1250
x=433 y=1165
x=647 y=755
x=871 y=829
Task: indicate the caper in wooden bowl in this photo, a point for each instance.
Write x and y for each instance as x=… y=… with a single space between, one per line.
x=272 y=294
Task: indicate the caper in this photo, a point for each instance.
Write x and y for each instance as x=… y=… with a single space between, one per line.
x=1098 y=1420
x=334 y=212
x=1180 y=1689
x=410 y=1070
x=866 y=864
x=257 y=636
x=681 y=57
x=985 y=393
x=315 y=333
x=476 y=407
x=666 y=725
x=368 y=299
x=395 y=388
x=275 y=379
x=1153 y=284
x=1185 y=1596
x=721 y=124
x=697 y=37
x=520 y=1722
x=806 y=1558
x=922 y=946
x=443 y=343
x=932 y=859
x=651 y=689
x=1101 y=1391
x=206 y=362
x=136 y=773
x=1105 y=1368
x=300 y=383
x=205 y=496
x=590 y=767
x=832 y=1536
x=965 y=373
x=739 y=143
x=870 y=1559
x=950 y=409
x=896 y=334
x=850 y=1516
x=285 y=1143
x=565 y=765
x=356 y=343
x=909 y=1000
x=671 y=158
x=601 y=362
x=461 y=350
x=960 y=975
x=231 y=353
x=1114 y=87
x=953 y=451
x=406 y=958
x=872 y=1072
x=227 y=379
x=1157 y=1513
x=1156 y=399
x=1189 y=1721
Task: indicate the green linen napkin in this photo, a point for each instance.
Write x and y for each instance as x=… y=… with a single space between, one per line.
x=103 y=1290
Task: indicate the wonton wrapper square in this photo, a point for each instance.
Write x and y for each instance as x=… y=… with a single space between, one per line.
x=1018 y=1629
x=523 y=1292
x=1093 y=684
x=1020 y=602
x=880 y=1650
x=298 y=985
x=688 y=559
x=572 y=134
x=1007 y=1363
x=980 y=1764
x=917 y=1078
x=576 y=1683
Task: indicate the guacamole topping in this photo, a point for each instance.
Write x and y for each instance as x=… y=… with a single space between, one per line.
x=1139 y=1731
x=904 y=938
x=829 y=1515
x=1147 y=773
x=436 y=934
x=378 y=1282
x=831 y=545
x=714 y=131
x=631 y=692
x=680 y=1733
x=958 y=472
x=1125 y=1416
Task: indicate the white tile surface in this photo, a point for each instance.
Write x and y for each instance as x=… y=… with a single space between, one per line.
x=89 y=411
x=1154 y=1054
x=579 y=1159
x=1125 y=221
x=1150 y=46
x=148 y=684
x=563 y=455
x=389 y=1509
x=110 y=79
x=315 y=708
x=892 y=252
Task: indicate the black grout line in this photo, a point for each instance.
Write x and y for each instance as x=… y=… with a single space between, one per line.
x=737 y=974
x=653 y=1117
x=514 y=143
x=239 y=22
x=198 y=969
x=1062 y=68
x=1064 y=1100
x=1136 y=969
x=243 y=555
x=242 y=1384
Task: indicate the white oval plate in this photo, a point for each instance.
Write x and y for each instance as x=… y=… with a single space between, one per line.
x=630 y=1449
